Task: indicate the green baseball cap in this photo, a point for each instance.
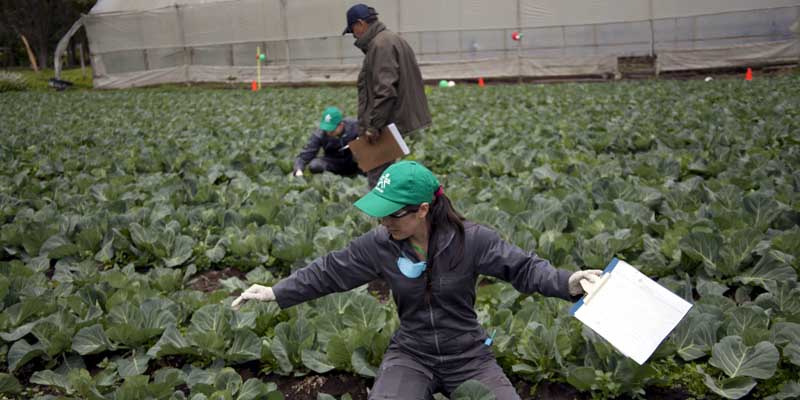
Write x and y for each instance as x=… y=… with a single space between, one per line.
x=402 y=184
x=331 y=118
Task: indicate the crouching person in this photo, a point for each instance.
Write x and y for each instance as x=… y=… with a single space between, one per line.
x=431 y=257
x=332 y=137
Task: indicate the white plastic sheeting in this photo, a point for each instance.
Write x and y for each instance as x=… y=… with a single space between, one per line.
x=747 y=54
x=143 y=42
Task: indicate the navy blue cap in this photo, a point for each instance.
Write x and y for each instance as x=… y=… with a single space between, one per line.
x=357 y=12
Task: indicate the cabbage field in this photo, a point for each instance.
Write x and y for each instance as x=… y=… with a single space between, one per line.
x=130 y=219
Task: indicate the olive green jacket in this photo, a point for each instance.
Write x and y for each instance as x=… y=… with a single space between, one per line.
x=390 y=86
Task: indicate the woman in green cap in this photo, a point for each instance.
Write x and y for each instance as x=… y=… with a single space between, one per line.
x=430 y=256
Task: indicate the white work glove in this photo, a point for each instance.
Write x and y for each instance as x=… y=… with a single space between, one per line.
x=583 y=281
x=255 y=292
x=299 y=172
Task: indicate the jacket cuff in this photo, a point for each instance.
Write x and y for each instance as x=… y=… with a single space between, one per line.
x=563 y=286
x=282 y=297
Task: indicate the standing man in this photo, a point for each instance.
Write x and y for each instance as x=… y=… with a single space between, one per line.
x=390 y=86
x=333 y=135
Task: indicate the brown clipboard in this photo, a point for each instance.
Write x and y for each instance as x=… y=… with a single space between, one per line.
x=388 y=147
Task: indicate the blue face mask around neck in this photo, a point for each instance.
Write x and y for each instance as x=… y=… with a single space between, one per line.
x=411 y=269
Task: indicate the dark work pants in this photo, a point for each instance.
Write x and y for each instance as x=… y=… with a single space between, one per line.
x=402 y=376
x=320 y=165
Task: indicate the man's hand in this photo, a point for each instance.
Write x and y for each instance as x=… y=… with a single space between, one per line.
x=298 y=172
x=255 y=292
x=372 y=136
x=583 y=281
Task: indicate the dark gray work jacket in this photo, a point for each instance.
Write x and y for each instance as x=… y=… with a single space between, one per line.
x=390 y=85
x=447 y=328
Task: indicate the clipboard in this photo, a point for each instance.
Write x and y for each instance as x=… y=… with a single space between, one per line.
x=389 y=147
x=631 y=311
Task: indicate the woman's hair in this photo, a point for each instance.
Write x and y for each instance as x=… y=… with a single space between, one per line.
x=442 y=217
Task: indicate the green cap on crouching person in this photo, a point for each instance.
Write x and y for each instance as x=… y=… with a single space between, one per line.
x=331 y=118
x=402 y=184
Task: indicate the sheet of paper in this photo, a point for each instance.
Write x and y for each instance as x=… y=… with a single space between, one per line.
x=631 y=311
x=398 y=138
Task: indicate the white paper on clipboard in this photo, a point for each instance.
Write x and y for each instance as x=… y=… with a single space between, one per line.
x=630 y=310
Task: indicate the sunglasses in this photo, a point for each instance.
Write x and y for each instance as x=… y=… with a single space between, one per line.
x=403 y=212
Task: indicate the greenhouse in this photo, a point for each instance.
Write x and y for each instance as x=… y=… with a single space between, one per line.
x=145 y=42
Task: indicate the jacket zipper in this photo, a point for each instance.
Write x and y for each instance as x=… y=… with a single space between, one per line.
x=435 y=334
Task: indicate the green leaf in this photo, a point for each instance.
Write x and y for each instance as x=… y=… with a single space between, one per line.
x=737 y=360
x=106 y=253
x=703 y=247
x=172 y=343
x=730 y=388
x=788 y=390
x=783 y=298
x=788 y=242
x=784 y=333
x=134 y=387
x=316 y=361
x=329 y=238
x=290 y=339
x=181 y=251
x=744 y=318
x=768 y=269
x=472 y=390
x=126 y=325
x=50 y=378
x=695 y=335
x=364 y=311
x=55 y=336
x=199 y=377
x=210 y=328
x=710 y=287
x=21 y=352
x=246 y=346
x=91 y=340
x=58 y=246
x=171 y=375
x=135 y=365
x=252 y=389
x=792 y=353
x=228 y=380
x=761 y=209
x=244 y=320
x=19 y=332
x=361 y=365
x=83 y=385
x=738 y=249
x=217 y=253
x=582 y=378
x=338 y=352
x=9 y=384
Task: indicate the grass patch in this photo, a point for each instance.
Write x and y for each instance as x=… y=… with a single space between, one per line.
x=38 y=81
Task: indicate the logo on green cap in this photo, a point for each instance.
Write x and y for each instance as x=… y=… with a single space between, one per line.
x=382 y=182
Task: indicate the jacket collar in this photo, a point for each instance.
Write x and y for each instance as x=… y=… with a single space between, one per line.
x=443 y=240
x=373 y=30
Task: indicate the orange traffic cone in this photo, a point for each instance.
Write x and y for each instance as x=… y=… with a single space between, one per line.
x=254 y=86
x=480 y=82
x=748 y=76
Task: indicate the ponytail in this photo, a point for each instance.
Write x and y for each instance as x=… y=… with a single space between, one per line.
x=443 y=217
